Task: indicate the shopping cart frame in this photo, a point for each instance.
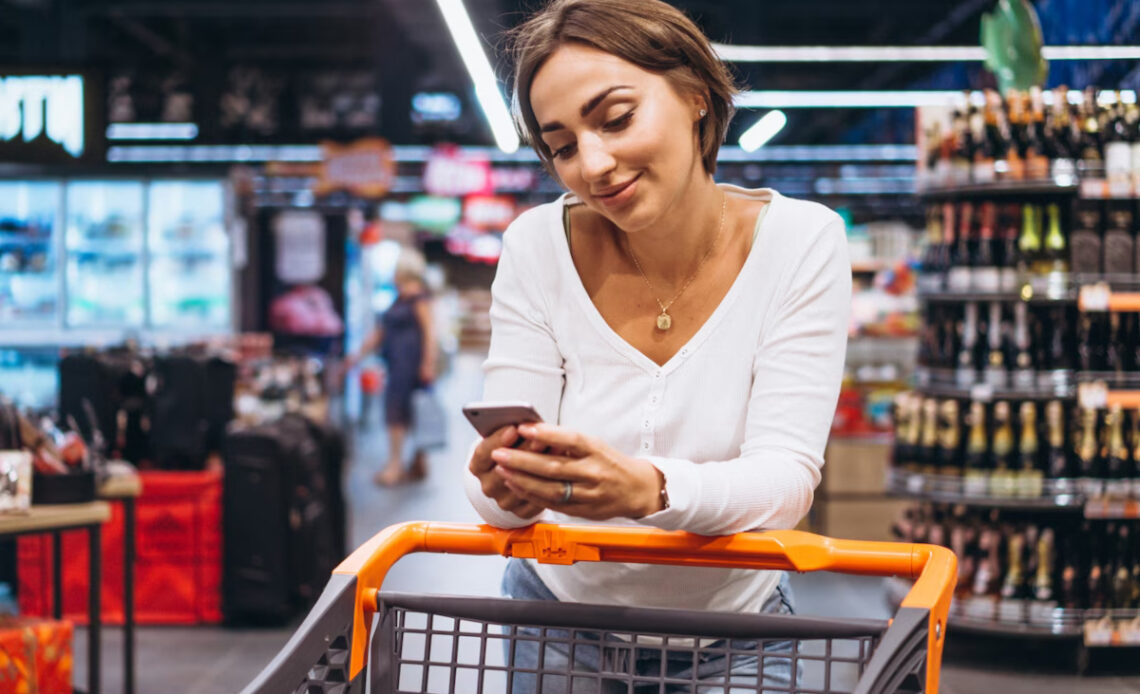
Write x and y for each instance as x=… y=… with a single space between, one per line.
x=336 y=633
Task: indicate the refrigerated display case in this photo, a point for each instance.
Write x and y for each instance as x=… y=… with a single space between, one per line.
x=29 y=264
x=188 y=275
x=105 y=254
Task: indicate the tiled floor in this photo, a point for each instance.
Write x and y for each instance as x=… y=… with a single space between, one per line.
x=222 y=661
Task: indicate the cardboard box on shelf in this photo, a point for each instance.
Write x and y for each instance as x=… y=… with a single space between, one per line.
x=855 y=466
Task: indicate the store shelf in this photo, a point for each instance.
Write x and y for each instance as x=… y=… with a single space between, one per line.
x=943 y=383
x=10 y=238
x=1109 y=390
x=1048 y=187
x=1102 y=297
x=948 y=489
x=952 y=296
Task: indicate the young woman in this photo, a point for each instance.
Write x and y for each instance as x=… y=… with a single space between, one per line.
x=683 y=340
x=405 y=338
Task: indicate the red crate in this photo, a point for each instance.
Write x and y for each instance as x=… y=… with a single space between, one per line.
x=178 y=568
x=35 y=655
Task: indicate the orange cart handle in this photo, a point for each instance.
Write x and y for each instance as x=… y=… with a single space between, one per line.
x=934 y=568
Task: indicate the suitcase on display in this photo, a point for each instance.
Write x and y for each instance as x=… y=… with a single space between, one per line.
x=280 y=541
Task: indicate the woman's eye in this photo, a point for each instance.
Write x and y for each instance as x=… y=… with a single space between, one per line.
x=563 y=152
x=620 y=122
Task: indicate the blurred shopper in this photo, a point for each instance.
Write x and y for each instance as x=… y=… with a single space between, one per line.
x=405 y=339
x=683 y=340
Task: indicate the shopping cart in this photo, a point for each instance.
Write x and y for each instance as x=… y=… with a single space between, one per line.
x=358 y=639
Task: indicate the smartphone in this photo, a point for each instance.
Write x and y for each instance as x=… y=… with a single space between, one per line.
x=489 y=417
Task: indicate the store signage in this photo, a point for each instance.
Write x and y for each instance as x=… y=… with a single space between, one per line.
x=488 y=211
x=39 y=113
x=450 y=171
x=434 y=213
x=365 y=168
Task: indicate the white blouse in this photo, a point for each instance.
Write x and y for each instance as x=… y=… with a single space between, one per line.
x=736 y=420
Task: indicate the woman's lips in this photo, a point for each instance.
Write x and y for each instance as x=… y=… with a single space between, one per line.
x=620 y=195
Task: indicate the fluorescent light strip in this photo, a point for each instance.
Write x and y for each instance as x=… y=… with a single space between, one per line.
x=904 y=54
x=845 y=99
x=120 y=154
x=152 y=131
x=762 y=130
x=479 y=68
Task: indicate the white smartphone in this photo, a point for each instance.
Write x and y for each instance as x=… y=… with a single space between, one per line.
x=489 y=417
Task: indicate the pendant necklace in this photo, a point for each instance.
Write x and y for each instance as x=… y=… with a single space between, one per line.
x=664 y=320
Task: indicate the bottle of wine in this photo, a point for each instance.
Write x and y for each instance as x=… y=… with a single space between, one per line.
x=977 y=472
x=1013 y=129
x=1030 y=471
x=1002 y=479
x=1072 y=585
x=1114 y=347
x=959 y=277
x=982 y=162
x=1061 y=467
x=1010 y=257
x=986 y=274
x=1013 y=586
x=1024 y=374
x=949 y=443
x=1046 y=565
x=1086 y=241
x=1118 y=151
x=1119 y=244
x=928 y=458
x=987 y=578
x=1118 y=459
x=1088 y=455
x=1133 y=119
x=1029 y=244
x=930 y=280
x=1122 y=573
x=1135 y=445
x=961 y=157
x=1091 y=163
x=967 y=367
x=1060 y=359
x=1036 y=149
x=996 y=373
x=902 y=454
x=1056 y=255
x=986 y=156
x=1064 y=148
x=1098 y=578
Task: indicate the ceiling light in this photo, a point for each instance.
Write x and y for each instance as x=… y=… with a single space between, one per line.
x=479 y=68
x=152 y=131
x=904 y=54
x=762 y=130
x=845 y=99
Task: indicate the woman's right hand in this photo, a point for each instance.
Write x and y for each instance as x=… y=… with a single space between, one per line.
x=493 y=485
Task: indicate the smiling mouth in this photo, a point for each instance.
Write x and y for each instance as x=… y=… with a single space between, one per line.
x=614 y=191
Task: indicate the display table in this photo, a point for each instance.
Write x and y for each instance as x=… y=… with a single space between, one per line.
x=125 y=486
x=56 y=519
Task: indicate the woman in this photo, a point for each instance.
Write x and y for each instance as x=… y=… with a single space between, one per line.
x=683 y=340
x=405 y=337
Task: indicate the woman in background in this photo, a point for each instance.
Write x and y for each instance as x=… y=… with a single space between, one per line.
x=405 y=339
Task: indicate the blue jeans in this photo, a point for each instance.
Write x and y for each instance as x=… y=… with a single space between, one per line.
x=521 y=582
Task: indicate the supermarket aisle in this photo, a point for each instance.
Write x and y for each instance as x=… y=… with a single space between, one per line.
x=221 y=661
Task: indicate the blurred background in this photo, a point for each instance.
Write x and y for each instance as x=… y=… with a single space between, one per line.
x=202 y=209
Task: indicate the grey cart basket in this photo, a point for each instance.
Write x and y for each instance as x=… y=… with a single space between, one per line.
x=358 y=639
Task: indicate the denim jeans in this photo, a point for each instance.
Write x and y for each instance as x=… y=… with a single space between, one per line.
x=521 y=582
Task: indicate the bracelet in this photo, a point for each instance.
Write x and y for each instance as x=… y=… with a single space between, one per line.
x=664 y=492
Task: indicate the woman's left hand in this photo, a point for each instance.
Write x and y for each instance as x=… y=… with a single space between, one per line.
x=604 y=483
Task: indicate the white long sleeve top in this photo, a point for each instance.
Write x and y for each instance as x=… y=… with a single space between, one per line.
x=736 y=420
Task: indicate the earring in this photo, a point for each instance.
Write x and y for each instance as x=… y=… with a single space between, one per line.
x=703 y=113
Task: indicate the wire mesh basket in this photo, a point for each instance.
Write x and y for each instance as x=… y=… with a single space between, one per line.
x=359 y=639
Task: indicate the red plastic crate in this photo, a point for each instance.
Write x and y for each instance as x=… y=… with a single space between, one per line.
x=178 y=568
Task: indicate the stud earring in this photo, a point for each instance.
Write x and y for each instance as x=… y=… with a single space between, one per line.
x=703 y=113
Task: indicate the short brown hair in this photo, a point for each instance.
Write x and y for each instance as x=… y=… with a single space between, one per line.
x=651 y=34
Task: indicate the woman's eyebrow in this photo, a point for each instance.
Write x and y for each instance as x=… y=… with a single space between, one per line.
x=587 y=107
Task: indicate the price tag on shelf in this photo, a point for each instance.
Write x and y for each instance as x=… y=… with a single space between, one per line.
x=1099 y=632
x=1093 y=396
x=1094 y=188
x=1094 y=297
x=915 y=484
x=982 y=392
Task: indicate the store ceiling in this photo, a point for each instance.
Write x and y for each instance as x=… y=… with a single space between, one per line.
x=406 y=42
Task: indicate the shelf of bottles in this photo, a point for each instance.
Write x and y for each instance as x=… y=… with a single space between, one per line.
x=1061 y=576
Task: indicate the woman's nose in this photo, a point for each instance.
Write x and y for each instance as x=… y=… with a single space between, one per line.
x=597 y=162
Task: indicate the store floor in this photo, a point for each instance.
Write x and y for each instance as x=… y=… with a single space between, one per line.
x=221 y=661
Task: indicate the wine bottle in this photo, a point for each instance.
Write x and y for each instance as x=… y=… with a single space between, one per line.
x=1064 y=149
x=985 y=156
x=949 y=443
x=967 y=367
x=1119 y=245
x=1013 y=125
x=1135 y=446
x=959 y=276
x=1086 y=241
x=1013 y=586
x=1088 y=455
x=1061 y=467
x=977 y=472
x=986 y=274
x=902 y=454
x=1098 y=578
x=1010 y=257
x=1046 y=565
x=982 y=159
x=1091 y=163
x=1031 y=475
x=1056 y=255
x=1029 y=244
x=1133 y=118
x=1002 y=480
x=987 y=577
x=1114 y=346
x=1118 y=460
x=961 y=154
x=1060 y=359
x=1072 y=586
x=928 y=458
x=1036 y=149
x=930 y=280
x=1122 y=573
x=1024 y=374
x=1117 y=151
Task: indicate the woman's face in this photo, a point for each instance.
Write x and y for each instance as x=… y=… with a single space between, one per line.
x=623 y=139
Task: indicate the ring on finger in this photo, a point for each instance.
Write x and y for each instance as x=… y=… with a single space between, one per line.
x=567 y=492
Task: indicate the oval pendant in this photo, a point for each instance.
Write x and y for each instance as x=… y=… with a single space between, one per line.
x=664 y=321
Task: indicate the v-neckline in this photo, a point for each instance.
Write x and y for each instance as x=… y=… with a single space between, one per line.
x=618 y=342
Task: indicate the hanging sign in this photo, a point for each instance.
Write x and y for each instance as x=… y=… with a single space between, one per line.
x=488 y=211
x=43 y=118
x=365 y=168
x=452 y=172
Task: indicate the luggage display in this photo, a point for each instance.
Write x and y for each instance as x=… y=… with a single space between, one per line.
x=281 y=515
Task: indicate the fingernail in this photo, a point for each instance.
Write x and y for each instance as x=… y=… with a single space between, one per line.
x=528 y=430
x=500 y=455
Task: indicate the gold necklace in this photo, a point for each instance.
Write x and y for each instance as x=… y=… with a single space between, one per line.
x=664 y=320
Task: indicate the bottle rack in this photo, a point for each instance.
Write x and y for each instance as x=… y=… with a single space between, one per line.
x=1080 y=293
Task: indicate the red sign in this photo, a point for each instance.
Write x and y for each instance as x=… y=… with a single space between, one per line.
x=488 y=211
x=451 y=172
x=365 y=168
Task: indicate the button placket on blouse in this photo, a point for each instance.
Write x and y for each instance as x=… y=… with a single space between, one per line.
x=648 y=420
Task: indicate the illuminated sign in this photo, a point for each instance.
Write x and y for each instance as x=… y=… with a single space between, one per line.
x=43 y=111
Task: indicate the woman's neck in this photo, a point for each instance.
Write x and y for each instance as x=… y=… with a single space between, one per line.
x=671 y=249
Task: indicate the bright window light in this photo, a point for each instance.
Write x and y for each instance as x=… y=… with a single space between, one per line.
x=763 y=130
x=904 y=54
x=479 y=68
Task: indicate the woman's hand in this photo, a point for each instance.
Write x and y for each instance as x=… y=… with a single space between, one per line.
x=493 y=484
x=427 y=373
x=604 y=483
